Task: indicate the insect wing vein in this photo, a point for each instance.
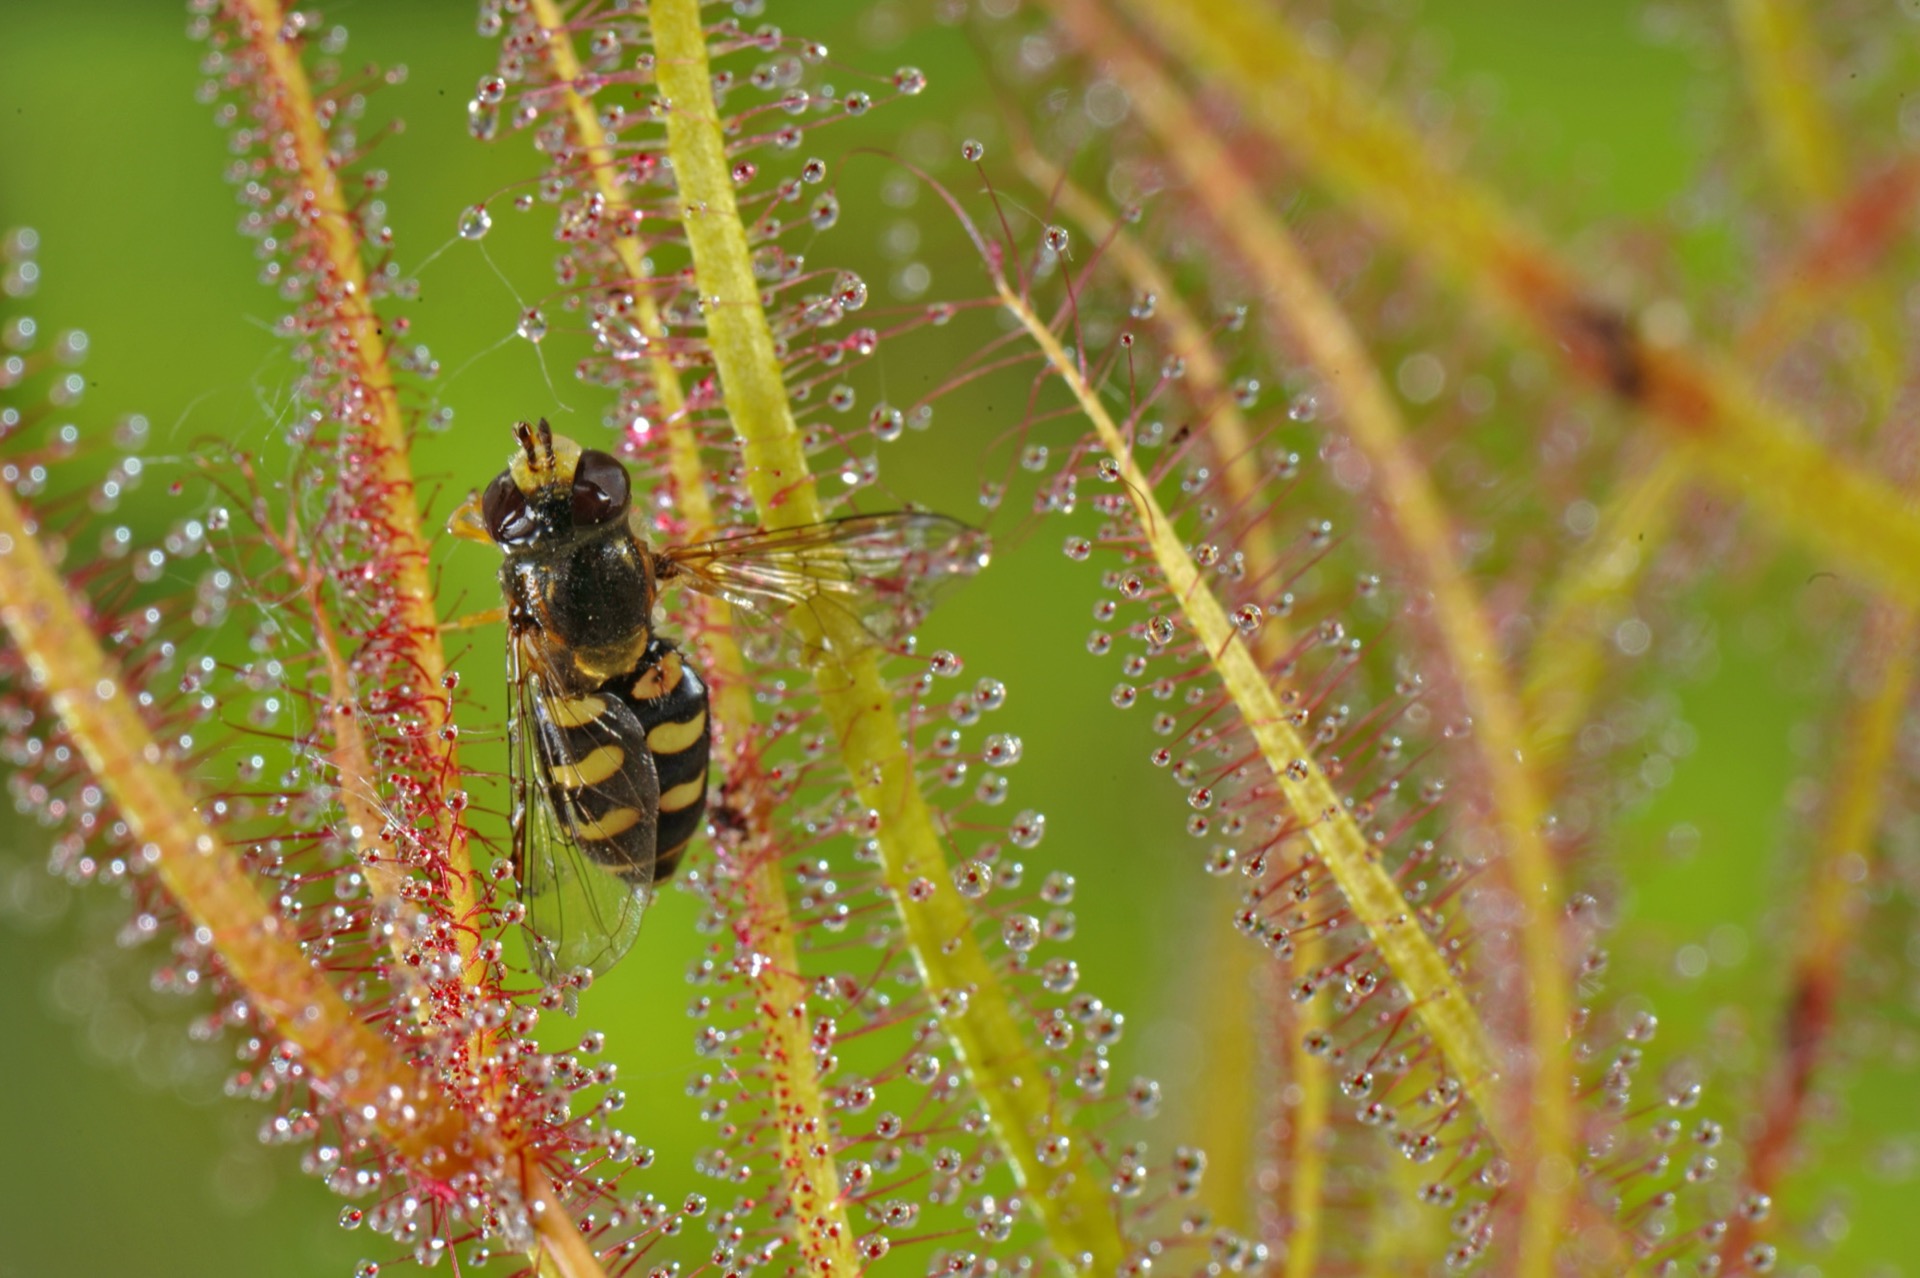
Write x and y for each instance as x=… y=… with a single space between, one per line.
x=582 y=910
x=844 y=584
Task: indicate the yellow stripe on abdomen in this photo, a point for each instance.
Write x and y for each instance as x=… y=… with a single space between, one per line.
x=660 y=679
x=672 y=738
x=683 y=794
x=575 y=712
x=608 y=825
x=595 y=767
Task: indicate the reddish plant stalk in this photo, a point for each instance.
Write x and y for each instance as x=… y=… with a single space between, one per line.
x=364 y=1073
x=1544 y=1137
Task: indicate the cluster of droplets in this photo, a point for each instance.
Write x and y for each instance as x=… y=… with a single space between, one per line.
x=1289 y=587
x=899 y=1099
x=898 y=1092
x=65 y=477
x=618 y=228
x=227 y=706
x=367 y=884
x=1031 y=923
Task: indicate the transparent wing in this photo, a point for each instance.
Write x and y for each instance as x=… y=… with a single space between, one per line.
x=864 y=581
x=580 y=911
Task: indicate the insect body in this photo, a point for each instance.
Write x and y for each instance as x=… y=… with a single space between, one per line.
x=609 y=736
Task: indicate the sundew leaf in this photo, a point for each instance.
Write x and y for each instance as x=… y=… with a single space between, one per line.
x=700 y=356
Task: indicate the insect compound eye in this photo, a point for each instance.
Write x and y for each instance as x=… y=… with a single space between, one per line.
x=600 y=488
x=504 y=507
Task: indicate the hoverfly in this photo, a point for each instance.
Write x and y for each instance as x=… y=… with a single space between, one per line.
x=608 y=736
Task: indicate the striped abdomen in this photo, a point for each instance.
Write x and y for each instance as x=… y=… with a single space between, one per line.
x=601 y=778
x=669 y=698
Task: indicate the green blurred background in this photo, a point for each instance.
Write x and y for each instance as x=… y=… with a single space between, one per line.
x=120 y=1155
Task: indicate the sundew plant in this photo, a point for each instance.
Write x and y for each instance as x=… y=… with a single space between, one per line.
x=1423 y=784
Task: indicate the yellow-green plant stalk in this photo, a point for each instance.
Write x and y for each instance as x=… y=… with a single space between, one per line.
x=1309 y=794
x=356 y=1066
x=1424 y=535
x=818 y=1215
x=975 y=1012
x=1568 y=658
x=1229 y=1140
x=1371 y=157
x=1783 y=72
x=1785 y=75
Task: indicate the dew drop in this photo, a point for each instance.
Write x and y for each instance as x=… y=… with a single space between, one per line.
x=973 y=879
x=1027 y=829
x=1020 y=933
x=475 y=222
x=1003 y=750
x=886 y=423
x=532 y=326
x=972 y=151
x=910 y=80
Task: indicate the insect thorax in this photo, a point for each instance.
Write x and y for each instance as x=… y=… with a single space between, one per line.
x=586 y=606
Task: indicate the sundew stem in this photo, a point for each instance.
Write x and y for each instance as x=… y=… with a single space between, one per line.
x=1228 y=1141
x=1809 y=161
x=1568 y=657
x=1785 y=76
x=797 y=1103
x=365 y=1074
x=561 y=1251
x=1371 y=157
x=961 y=984
x=1336 y=838
x=583 y=126
x=376 y=427
x=1843 y=863
x=1804 y=148
x=1543 y=1138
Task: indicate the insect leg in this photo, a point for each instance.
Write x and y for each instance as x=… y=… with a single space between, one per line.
x=474 y=620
